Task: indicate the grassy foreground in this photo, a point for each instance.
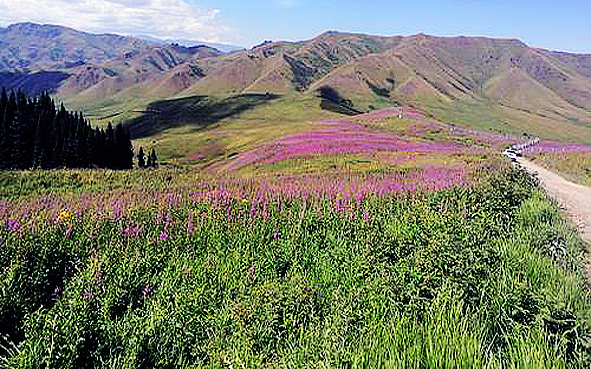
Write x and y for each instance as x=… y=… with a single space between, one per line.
x=488 y=276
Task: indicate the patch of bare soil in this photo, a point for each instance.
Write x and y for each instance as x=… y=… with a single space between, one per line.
x=574 y=199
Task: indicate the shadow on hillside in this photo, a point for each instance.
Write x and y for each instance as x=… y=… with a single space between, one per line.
x=330 y=99
x=338 y=108
x=198 y=111
x=32 y=84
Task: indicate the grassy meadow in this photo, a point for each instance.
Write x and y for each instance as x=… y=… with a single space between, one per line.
x=279 y=231
x=486 y=275
x=283 y=235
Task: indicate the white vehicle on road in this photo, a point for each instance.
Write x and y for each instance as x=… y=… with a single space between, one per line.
x=511 y=154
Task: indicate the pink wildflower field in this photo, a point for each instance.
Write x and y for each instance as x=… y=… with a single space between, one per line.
x=423 y=156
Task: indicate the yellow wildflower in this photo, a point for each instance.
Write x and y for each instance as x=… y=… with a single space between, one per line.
x=64 y=215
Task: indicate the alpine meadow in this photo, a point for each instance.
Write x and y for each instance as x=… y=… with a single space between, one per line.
x=343 y=201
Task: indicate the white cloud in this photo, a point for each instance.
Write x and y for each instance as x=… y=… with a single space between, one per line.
x=157 y=18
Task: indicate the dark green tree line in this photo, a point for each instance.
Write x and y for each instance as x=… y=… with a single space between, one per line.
x=36 y=134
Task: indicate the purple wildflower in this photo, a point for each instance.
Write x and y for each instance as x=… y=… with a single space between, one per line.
x=13 y=225
x=117 y=209
x=132 y=230
x=168 y=219
x=146 y=291
x=163 y=236
x=88 y=296
x=56 y=294
x=190 y=223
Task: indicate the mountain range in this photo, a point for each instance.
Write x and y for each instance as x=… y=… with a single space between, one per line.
x=190 y=43
x=499 y=84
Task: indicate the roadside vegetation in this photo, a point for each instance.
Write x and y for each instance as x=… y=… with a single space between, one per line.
x=569 y=159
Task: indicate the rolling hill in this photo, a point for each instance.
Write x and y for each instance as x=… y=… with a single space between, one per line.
x=28 y=47
x=500 y=85
x=91 y=65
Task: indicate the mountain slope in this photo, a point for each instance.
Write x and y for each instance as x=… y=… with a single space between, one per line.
x=31 y=47
x=104 y=79
x=497 y=84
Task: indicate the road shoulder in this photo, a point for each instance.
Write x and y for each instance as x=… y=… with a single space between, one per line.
x=573 y=199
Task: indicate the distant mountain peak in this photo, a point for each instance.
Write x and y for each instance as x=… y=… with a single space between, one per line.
x=30 y=47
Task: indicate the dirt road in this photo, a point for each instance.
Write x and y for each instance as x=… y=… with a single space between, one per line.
x=574 y=199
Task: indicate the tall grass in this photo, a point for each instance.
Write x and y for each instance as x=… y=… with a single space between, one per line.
x=487 y=276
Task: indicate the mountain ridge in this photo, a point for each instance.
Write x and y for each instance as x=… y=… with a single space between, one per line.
x=436 y=74
x=30 y=47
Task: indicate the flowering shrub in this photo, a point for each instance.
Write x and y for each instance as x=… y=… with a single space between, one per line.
x=439 y=256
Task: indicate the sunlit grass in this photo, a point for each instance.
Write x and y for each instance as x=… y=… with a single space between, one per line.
x=483 y=276
x=488 y=115
x=576 y=167
x=572 y=160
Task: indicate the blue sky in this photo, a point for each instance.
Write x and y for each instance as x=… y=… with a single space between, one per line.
x=564 y=25
x=542 y=23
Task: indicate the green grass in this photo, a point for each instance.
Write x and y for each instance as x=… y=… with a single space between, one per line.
x=102 y=111
x=238 y=133
x=488 y=115
x=197 y=111
x=575 y=167
x=480 y=277
x=236 y=125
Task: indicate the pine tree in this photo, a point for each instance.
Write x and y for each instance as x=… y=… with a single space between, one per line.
x=24 y=146
x=125 y=148
x=82 y=150
x=154 y=160
x=4 y=144
x=3 y=98
x=49 y=134
x=72 y=142
x=38 y=149
x=59 y=137
x=141 y=163
x=28 y=145
x=110 y=147
x=39 y=123
x=34 y=134
x=101 y=144
x=90 y=146
x=3 y=104
x=119 y=147
x=10 y=150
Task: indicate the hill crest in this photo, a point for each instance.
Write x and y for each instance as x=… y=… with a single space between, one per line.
x=520 y=84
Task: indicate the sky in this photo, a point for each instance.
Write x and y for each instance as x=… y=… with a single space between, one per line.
x=556 y=25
